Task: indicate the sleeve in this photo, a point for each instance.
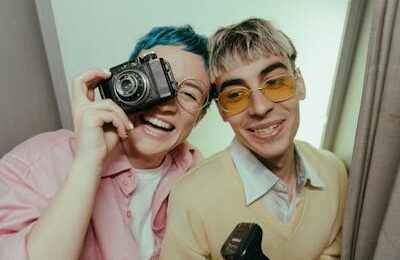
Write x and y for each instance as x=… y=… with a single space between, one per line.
x=185 y=237
x=20 y=207
x=175 y=248
x=333 y=250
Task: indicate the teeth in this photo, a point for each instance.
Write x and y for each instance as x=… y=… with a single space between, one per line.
x=267 y=130
x=158 y=122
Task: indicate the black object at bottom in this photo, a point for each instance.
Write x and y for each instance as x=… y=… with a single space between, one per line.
x=244 y=243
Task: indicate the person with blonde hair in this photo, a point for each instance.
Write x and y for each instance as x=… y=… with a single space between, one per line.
x=293 y=191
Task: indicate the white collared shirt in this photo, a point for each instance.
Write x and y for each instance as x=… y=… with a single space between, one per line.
x=261 y=184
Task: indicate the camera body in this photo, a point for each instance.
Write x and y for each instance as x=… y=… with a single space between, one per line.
x=139 y=84
x=244 y=243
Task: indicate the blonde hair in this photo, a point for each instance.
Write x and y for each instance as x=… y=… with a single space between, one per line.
x=246 y=42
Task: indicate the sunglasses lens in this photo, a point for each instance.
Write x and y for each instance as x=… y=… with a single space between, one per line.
x=279 y=88
x=234 y=100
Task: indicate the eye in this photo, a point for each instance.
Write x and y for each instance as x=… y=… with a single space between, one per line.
x=274 y=83
x=235 y=94
x=190 y=94
x=279 y=82
x=190 y=89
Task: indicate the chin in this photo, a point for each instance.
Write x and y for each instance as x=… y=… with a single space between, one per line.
x=273 y=152
x=152 y=148
x=271 y=149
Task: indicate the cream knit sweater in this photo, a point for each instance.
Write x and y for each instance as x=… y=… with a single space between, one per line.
x=209 y=202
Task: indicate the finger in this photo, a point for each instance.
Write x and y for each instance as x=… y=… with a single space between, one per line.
x=93 y=76
x=111 y=106
x=83 y=86
x=103 y=118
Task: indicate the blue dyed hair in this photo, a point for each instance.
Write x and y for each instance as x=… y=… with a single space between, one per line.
x=174 y=35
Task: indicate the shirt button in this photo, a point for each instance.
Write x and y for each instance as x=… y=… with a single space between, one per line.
x=129 y=174
x=128 y=214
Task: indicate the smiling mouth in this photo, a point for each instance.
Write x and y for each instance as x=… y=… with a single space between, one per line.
x=267 y=130
x=157 y=123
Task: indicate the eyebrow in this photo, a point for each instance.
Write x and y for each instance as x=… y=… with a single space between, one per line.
x=265 y=71
x=272 y=67
x=231 y=82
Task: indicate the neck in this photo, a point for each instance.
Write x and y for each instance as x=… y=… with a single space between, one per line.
x=283 y=167
x=142 y=161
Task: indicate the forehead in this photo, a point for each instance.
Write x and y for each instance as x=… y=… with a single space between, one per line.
x=265 y=66
x=184 y=64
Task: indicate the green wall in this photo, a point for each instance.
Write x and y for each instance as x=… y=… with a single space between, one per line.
x=98 y=33
x=343 y=146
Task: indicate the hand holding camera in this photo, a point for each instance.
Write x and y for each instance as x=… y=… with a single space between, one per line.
x=98 y=124
x=132 y=86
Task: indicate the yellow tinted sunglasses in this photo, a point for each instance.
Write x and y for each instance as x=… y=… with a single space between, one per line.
x=235 y=99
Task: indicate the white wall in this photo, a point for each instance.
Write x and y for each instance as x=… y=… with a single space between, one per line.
x=99 y=33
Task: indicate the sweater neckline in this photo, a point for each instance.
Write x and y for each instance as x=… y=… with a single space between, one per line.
x=288 y=229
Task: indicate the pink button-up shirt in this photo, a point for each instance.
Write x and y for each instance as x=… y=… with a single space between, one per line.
x=31 y=174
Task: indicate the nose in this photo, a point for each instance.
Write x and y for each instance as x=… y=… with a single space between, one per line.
x=168 y=106
x=259 y=104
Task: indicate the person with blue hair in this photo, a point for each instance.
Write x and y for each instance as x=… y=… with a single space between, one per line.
x=101 y=192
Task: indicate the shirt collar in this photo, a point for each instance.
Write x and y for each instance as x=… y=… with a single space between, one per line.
x=183 y=157
x=258 y=179
x=306 y=172
x=116 y=162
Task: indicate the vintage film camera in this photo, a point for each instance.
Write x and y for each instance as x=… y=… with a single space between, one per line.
x=244 y=243
x=138 y=84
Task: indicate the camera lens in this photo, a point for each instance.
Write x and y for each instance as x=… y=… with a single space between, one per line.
x=131 y=86
x=127 y=86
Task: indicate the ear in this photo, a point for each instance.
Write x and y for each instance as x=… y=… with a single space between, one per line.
x=300 y=86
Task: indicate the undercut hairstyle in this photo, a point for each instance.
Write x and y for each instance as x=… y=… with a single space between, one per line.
x=246 y=42
x=175 y=36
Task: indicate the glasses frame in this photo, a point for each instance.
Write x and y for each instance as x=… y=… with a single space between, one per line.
x=296 y=76
x=206 y=101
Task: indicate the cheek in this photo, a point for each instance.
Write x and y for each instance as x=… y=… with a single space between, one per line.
x=295 y=117
x=223 y=115
x=235 y=122
x=296 y=110
x=185 y=124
